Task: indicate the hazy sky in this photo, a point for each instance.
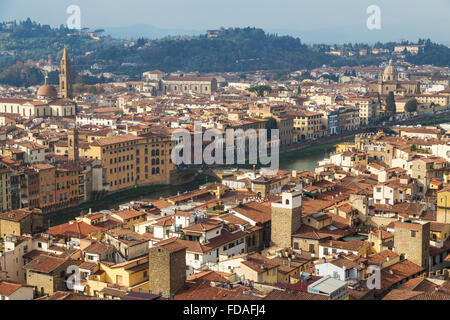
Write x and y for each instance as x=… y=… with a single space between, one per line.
x=415 y=18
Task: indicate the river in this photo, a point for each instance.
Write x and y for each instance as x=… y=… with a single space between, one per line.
x=300 y=160
x=308 y=158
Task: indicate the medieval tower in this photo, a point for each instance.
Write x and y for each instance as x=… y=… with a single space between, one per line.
x=65 y=77
x=286 y=218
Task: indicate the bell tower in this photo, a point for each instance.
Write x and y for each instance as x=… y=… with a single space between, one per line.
x=65 y=77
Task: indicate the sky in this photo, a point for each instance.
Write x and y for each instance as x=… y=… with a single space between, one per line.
x=339 y=19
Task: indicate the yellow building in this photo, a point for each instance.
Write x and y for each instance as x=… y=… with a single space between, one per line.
x=435 y=184
x=126 y=276
x=439 y=232
x=260 y=269
x=153 y=159
x=380 y=240
x=346 y=146
x=16 y=222
x=128 y=160
x=130 y=217
x=443 y=206
x=67 y=186
x=308 y=125
x=117 y=156
x=317 y=220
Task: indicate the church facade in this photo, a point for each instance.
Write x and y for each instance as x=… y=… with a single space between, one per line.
x=389 y=81
x=48 y=103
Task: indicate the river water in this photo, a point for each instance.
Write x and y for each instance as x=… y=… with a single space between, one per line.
x=299 y=160
x=305 y=160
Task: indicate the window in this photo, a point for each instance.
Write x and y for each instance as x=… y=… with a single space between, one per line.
x=413 y=233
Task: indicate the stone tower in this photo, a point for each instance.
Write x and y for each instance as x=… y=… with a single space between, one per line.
x=413 y=240
x=286 y=218
x=167 y=268
x=65 y=77
x=72 y=138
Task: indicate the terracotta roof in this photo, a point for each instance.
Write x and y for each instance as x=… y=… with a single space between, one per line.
x=171 y=245
x=353 y=245
x=15 y=215
x=384 y=234
x=204 y=290
x=204 y=226
x=7 y=288
x=64 y=295
x=398 y=272
x=115 y=139
x=96 y=248
x=257 y=212
x=129 y=213
x=381 y=257
x=76 y=229
x=45 y=264
x=294 y=295
x=259 y=263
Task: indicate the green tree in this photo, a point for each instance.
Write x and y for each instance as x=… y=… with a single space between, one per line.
x=390 y=103
x=260 y=90
x=411 y=105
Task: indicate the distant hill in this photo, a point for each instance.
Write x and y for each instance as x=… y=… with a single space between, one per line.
x=148 y=31
x=228 y=50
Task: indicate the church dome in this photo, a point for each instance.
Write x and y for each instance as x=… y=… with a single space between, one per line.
x=47 y=91
x=390 y=69
x=390 y=73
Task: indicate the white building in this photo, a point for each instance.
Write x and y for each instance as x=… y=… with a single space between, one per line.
x=333 y=288
x=97 y=120
x=341 y=269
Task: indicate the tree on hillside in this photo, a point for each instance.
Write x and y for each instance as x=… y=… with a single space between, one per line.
x=390 y=103
x=411 y=105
